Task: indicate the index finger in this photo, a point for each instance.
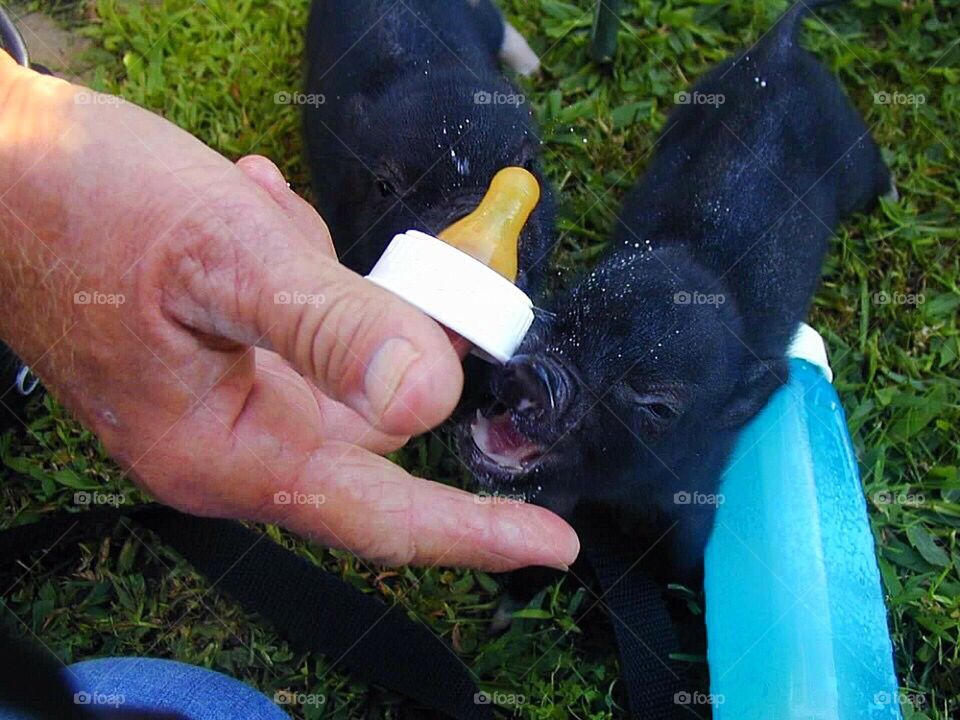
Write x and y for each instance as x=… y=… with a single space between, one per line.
x=378 y=511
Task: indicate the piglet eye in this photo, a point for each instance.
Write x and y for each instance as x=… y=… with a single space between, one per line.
x=388 y=179
x=661 y=411
x=656 y=409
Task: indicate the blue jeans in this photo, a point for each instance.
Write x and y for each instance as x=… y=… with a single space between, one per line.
x=164 y=685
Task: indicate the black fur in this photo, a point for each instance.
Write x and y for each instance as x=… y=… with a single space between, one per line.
x=416 y=121
x=635 y=391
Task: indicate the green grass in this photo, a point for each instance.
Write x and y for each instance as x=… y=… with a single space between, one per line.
x=213 y=67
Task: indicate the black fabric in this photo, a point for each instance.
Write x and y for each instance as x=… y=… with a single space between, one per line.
x=646 y=638
x=317 y=612
x=32 y=686
x=312 y=609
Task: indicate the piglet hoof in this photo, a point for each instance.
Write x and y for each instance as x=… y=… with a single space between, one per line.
x=503 y=617
x=517 y=53
x=893 y=195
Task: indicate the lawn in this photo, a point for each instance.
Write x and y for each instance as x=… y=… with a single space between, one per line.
x=888 y=308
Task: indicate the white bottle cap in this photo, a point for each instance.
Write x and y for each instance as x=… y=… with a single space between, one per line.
x=808 y=345
x=457 y=291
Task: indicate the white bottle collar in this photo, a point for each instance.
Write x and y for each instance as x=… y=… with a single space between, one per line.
x=457 y=291
x=808 y=345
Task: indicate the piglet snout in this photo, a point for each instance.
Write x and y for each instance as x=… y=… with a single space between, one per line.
x=530 y=385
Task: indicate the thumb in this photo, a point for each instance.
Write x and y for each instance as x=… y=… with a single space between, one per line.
x=268 y=176
x=255 y=278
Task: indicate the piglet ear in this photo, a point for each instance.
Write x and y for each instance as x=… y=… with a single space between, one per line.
x=762 y=379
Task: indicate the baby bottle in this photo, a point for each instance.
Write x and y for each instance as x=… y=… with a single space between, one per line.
x=796 y=625
x=464 y=279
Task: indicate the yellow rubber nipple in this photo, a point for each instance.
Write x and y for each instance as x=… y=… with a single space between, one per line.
x=491 y=233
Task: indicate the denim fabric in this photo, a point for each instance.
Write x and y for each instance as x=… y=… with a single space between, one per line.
x=146 y=684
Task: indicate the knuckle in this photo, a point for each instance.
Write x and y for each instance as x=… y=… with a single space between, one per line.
x=211 y=278
x=200 y=265
x=396 y=548
x=364 y=513
x=333 y=342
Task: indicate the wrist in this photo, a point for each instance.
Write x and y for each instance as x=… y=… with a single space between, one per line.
x=33 y=120
x=27 y=100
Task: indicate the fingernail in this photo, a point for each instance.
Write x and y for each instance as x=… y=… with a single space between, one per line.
x=385 y=374
x=515 y=534
x=566 y=555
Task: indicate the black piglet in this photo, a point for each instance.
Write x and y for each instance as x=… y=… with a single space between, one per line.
x=635 y=390
x=408 y=118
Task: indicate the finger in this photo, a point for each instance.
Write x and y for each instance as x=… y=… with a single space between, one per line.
x=268 y=176
x=376 y=510
x=362 y=346
x=259 y=463
x=252 y=276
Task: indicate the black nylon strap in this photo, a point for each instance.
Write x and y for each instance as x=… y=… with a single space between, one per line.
x=641 y=621
x=311 y=608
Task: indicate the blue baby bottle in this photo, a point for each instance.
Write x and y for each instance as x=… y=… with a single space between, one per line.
x=796 y=624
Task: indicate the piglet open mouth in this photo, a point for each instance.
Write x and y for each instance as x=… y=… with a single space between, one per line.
x=497 y=437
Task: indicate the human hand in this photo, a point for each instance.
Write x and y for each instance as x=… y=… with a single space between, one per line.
x=192 y=313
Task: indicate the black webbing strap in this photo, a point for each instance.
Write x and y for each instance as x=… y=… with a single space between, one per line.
x=311 y=608
x=645 y=632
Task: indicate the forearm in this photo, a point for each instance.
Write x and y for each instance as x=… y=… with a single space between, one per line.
x=32 y=277
x=71 y=164
x=63 y=254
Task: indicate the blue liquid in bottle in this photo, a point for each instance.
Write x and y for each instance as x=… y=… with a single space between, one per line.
x=796 y=625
